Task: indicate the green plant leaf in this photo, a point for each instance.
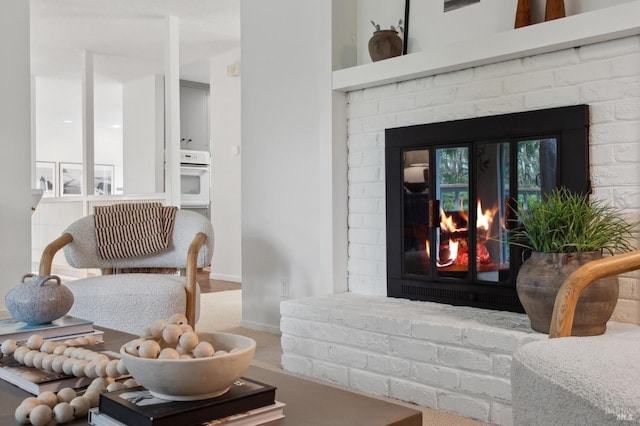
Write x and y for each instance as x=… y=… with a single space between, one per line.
x=565 y=222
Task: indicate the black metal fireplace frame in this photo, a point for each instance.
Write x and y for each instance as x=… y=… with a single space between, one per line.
x=569 y=125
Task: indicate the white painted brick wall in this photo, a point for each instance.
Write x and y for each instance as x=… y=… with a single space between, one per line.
x=451 y=358
x=431 y=354
x=605 y=75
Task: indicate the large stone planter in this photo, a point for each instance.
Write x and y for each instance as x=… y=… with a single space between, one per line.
x=539 y=280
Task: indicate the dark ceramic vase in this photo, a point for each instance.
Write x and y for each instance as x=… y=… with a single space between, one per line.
x=539 y=280
x=385 y=44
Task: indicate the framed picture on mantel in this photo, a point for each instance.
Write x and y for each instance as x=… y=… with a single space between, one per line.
x=457 y=4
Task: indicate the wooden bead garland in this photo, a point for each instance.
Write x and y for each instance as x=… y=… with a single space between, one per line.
x=70 y=359
x=66 y=405
x=64 y=357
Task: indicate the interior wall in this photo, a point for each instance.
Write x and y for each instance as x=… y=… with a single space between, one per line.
x=15 y=141
x=58 y=119
x=288 y=209
x=143 y=136
x=225 y=166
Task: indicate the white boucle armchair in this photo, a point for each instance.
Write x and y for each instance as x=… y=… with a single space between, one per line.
x=130 y=301
x=591 y=380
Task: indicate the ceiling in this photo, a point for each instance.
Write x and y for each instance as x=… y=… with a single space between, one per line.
x=127 y=36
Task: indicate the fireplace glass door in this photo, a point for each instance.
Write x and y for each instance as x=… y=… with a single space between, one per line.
x=470 y=232
x=451 y=222
x=456 y=226
x=452 y=190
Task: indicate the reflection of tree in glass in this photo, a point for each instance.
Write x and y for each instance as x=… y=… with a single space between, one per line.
x=454 y=165
x=529 y=164
x=536 y=168
x=532 y=156
x=453 y=169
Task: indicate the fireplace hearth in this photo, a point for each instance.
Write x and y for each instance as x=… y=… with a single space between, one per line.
x=451 y=188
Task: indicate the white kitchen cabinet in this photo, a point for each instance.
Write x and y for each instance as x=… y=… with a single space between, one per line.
x=194 y=116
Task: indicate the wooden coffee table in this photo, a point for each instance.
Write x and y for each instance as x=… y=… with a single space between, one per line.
x=308 y=403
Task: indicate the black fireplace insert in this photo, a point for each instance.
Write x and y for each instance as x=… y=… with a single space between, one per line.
x=451 y=193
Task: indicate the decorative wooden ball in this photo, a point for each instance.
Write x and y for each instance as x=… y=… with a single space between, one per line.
x=8 y=347
x=63 y=412
x=188 y=340
x=169 y=353
x=203 y=350
x=48 y=398
x=81 y=404
x=66 y=394
x=40 y=415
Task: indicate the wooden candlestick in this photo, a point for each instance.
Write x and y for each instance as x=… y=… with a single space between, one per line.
x=523 y=14
x=554 y=10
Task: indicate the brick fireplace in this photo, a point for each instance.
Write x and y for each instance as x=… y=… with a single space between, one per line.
x=436 y=355
x=604 y=75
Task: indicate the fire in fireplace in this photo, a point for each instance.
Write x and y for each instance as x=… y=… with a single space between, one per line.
x=451 y=189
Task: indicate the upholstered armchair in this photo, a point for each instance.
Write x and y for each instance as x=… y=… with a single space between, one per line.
x=591 y=380
x=129 y=301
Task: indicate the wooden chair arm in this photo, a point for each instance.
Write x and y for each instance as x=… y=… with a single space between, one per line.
x=191 y=273
x=50 y=251
x=565 y=305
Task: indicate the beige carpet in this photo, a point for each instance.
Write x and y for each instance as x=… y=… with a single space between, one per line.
x=222 y=311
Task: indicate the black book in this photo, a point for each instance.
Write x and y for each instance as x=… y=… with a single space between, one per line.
x=136 y=406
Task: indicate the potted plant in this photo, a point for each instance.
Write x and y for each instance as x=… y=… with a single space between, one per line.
x=385 y=43
x=563 y=230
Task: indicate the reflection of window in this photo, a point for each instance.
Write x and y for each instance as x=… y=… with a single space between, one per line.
x=537 y=173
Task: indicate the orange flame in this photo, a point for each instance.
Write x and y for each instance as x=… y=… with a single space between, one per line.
x=484 y=219
x=453 y=249
x=446 y=222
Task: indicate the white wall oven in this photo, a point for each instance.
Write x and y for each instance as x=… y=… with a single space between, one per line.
x=195 y=170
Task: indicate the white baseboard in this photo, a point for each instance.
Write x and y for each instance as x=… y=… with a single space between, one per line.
x=223 y=277
x=260 y=327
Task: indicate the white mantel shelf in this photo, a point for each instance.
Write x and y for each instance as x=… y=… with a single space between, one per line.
x=573 y=31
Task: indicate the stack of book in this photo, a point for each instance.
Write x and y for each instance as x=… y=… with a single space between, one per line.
x=36 y=381
x=246 y=403
x=31 y=379
x=64 y=328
